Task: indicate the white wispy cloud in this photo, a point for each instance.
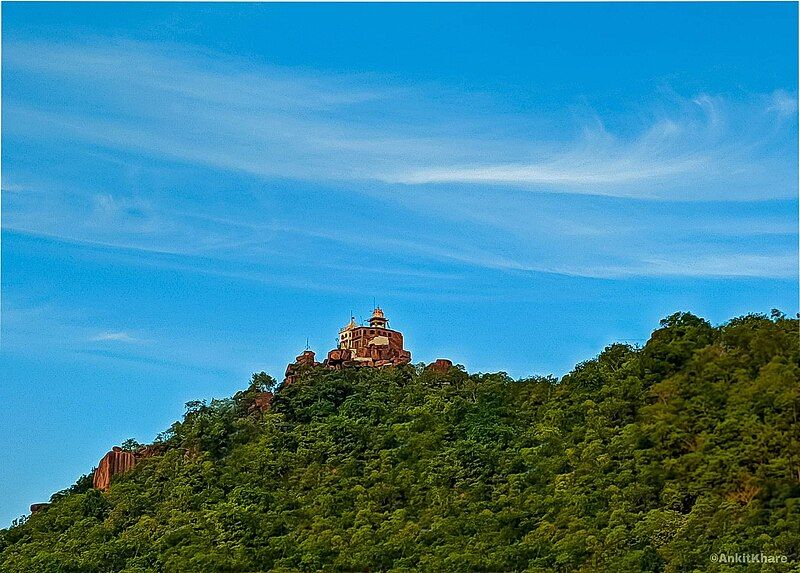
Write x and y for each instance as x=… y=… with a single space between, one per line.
x=585 y=167
x=26 y=322
x=275 y=122
x=783 y=103
x=116 y=336
x=477 y=189
x=781 y=265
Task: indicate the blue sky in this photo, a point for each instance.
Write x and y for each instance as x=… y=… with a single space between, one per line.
x=189 y=191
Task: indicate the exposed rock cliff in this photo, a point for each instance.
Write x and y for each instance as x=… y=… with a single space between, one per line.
x=114 y=462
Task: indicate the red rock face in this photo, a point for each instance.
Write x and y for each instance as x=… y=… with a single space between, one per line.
x=305 y=360
x=114 y=462
x=37 y=507
x=441 y=365
x=261 y=402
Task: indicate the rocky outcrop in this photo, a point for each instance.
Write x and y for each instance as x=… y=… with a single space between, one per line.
x=441 y=365
x=113 y=463
x=339 y=357
x=261 y=403
x=374 y=355
x=306 y=359
x=118 y=461
x=37 y=507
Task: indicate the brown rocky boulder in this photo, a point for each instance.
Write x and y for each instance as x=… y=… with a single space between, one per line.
x=441 y=365
x=261 y=403
x=338 y=358
x=306 y=359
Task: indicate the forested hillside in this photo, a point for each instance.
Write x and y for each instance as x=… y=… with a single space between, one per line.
x=648 y=459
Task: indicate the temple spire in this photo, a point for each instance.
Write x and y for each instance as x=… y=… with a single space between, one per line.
x=378 y=320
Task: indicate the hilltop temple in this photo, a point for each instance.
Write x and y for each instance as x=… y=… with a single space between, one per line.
x=373 y=345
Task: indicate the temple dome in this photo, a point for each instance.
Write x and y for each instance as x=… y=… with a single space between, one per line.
x=351 y=325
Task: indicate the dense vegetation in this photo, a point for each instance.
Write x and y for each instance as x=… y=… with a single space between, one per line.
x=643 y=459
